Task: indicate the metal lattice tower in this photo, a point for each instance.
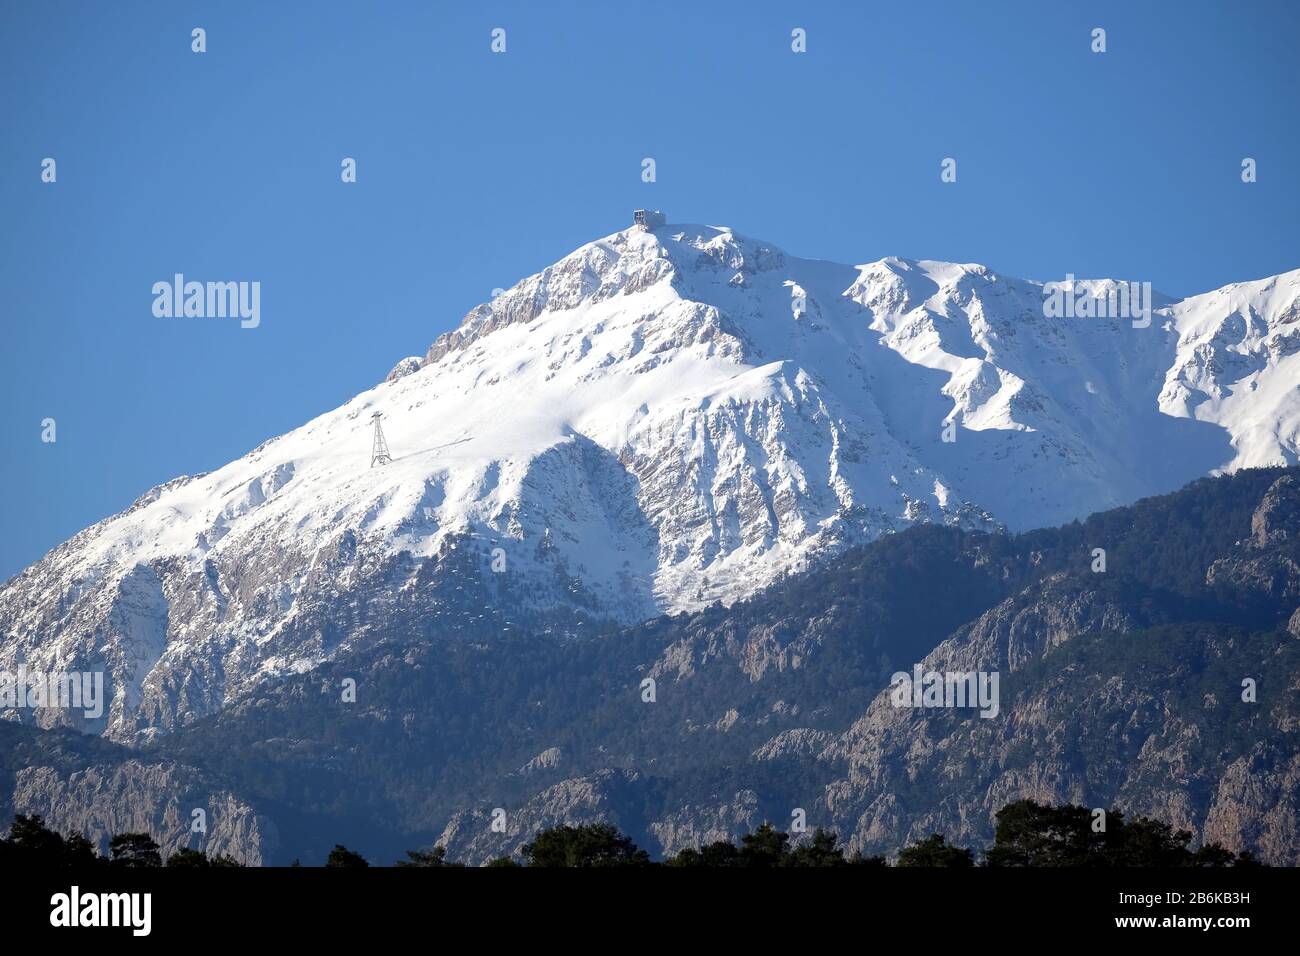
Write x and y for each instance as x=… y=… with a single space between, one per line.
x=379 y=450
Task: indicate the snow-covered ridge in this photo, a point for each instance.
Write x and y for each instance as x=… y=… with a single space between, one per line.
x=660 y=420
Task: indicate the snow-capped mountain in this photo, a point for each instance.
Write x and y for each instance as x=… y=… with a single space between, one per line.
x=663 y=419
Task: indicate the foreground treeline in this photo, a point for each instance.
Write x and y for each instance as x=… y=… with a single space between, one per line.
x=1027 y=834
x=32 y=843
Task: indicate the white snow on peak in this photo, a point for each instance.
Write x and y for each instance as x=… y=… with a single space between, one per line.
x=660 y=420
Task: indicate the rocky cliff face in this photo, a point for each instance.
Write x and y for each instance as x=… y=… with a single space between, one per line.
x=1114 y=698
x=1135 y=689
x=605 y=796
x=158 y=799
x=100 y=791
x=1131 y=739
x=487 y=833
x=1268 y=562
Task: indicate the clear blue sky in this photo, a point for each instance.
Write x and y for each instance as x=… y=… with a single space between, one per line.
x=476 y=169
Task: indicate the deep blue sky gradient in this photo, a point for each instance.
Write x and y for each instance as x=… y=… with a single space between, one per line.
x=477 y=169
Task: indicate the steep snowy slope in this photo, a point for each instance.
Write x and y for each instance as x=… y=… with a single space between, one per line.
x=1238 y=366
x=659 y=421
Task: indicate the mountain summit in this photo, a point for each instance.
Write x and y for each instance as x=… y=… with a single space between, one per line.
x=665 y=418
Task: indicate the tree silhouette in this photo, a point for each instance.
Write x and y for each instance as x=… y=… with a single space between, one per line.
x=185 y=857
x=765 y=847
x=590 y=844
x=341 y=856
x=821 y=850
x=31 y=840
x=720 y=853
x=435 y=857
x=78 y=851
x=934 y=850
x=1034 y=834
x=134 y=850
